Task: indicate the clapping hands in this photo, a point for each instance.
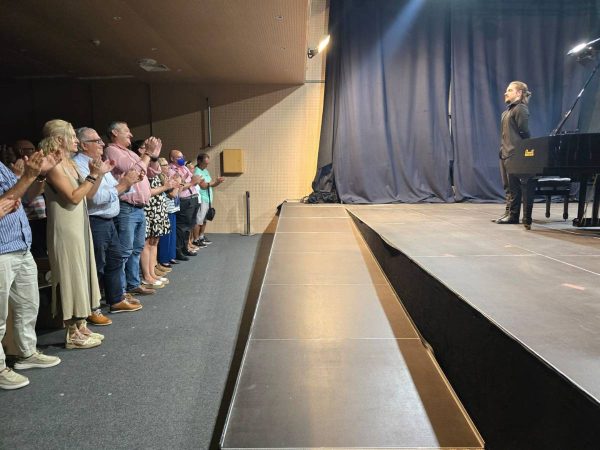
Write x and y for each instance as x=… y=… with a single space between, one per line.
x=99 y=167
x=153 y=146
x=8 y=205
x=132 y=177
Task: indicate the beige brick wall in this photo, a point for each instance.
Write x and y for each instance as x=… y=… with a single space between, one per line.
x=277 y=130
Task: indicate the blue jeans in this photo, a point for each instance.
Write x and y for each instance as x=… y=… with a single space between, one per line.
x=110 y=258
x=167 y=245
x=131 y=227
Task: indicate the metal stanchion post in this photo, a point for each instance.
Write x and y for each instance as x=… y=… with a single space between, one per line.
x=247 y=231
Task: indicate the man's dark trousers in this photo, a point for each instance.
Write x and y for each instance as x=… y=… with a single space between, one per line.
x=110 y=258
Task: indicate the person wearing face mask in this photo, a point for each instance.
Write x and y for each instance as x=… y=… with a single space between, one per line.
x=188 y=203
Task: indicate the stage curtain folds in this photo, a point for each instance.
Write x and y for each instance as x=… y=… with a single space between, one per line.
x=392 y=67
x=385 y=117
x=494 y=43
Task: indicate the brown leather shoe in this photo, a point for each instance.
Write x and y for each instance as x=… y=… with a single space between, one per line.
x=97 y=318
x=163 y=268
x=131 y=299
x=124 y=306
x=159 y=273
x=142 y=290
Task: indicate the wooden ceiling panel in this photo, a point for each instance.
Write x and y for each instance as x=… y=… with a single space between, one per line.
x=213 y=41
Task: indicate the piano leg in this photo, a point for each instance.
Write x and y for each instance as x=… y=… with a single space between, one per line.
x=596 y=204
x=527 y=195
x=579 y=221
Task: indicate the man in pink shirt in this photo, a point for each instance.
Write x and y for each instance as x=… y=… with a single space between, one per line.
x=188 y=206
x=131 y=221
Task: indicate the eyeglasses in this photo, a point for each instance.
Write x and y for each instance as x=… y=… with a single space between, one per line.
x=95 y=141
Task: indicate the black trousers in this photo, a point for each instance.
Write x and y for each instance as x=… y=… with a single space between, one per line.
x=514 y=188
x=512 y=191
x=188 y=208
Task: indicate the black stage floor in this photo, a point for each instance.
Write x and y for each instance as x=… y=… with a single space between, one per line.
x=542 y=286
x=513 y=316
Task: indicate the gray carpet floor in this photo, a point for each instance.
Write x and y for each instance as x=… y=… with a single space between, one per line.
x=157 y=380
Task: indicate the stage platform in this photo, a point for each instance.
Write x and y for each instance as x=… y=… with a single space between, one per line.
x=513 y=316
x=333 y=360
x=362 y=305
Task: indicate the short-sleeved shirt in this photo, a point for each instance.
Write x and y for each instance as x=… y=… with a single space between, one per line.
x=186 y=177
x=125 y=160
x=204 y=192
x=15 y=232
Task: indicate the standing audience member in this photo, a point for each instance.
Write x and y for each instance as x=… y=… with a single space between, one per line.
x=188 y=202
x=157 y=224
x=70 y=247
x=103 y=207
x=35 y=207
x=131 y=221
x=206 y=198
x=18 y=271
x=167 y=244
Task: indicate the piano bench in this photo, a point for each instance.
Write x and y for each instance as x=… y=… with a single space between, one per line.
x=554 y=186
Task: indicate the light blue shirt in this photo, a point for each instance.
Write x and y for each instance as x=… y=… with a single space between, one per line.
x=15 y=233
x=105 y=203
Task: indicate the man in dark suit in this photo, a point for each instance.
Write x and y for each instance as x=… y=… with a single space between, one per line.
x=514 y=126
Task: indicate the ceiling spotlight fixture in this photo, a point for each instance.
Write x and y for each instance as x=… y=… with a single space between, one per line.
x=279 y=18
x=154 y=49
x=117 y=18
x=322 y=45
x=150 y=65
x=95 y=42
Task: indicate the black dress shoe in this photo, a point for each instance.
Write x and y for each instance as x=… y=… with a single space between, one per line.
x=187 y=253
x=174 y=261
x=508 y=220
x=500 y=218
x=181 y=257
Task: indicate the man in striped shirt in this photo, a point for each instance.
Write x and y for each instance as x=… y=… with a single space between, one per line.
x=18 y=271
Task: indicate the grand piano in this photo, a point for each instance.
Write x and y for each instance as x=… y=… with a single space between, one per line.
x=572 y=155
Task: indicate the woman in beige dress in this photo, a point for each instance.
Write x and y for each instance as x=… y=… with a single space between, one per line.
x=70 y=248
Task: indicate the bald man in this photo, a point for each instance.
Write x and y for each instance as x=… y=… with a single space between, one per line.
x=188 y=205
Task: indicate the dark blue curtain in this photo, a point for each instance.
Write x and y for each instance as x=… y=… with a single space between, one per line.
x=494 y=43
x=387 y=75
x=392 y=66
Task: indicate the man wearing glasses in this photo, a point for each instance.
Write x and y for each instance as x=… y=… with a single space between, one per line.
x=103 y=207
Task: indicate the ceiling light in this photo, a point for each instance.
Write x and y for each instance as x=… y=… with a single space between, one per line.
x=151 y=65
x=117 y=18
x=279 y=18
x=322 y=45
x=585 y=50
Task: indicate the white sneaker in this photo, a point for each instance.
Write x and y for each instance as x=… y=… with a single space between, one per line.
x=10 y=379
x=37 y=361
x=154 y=285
